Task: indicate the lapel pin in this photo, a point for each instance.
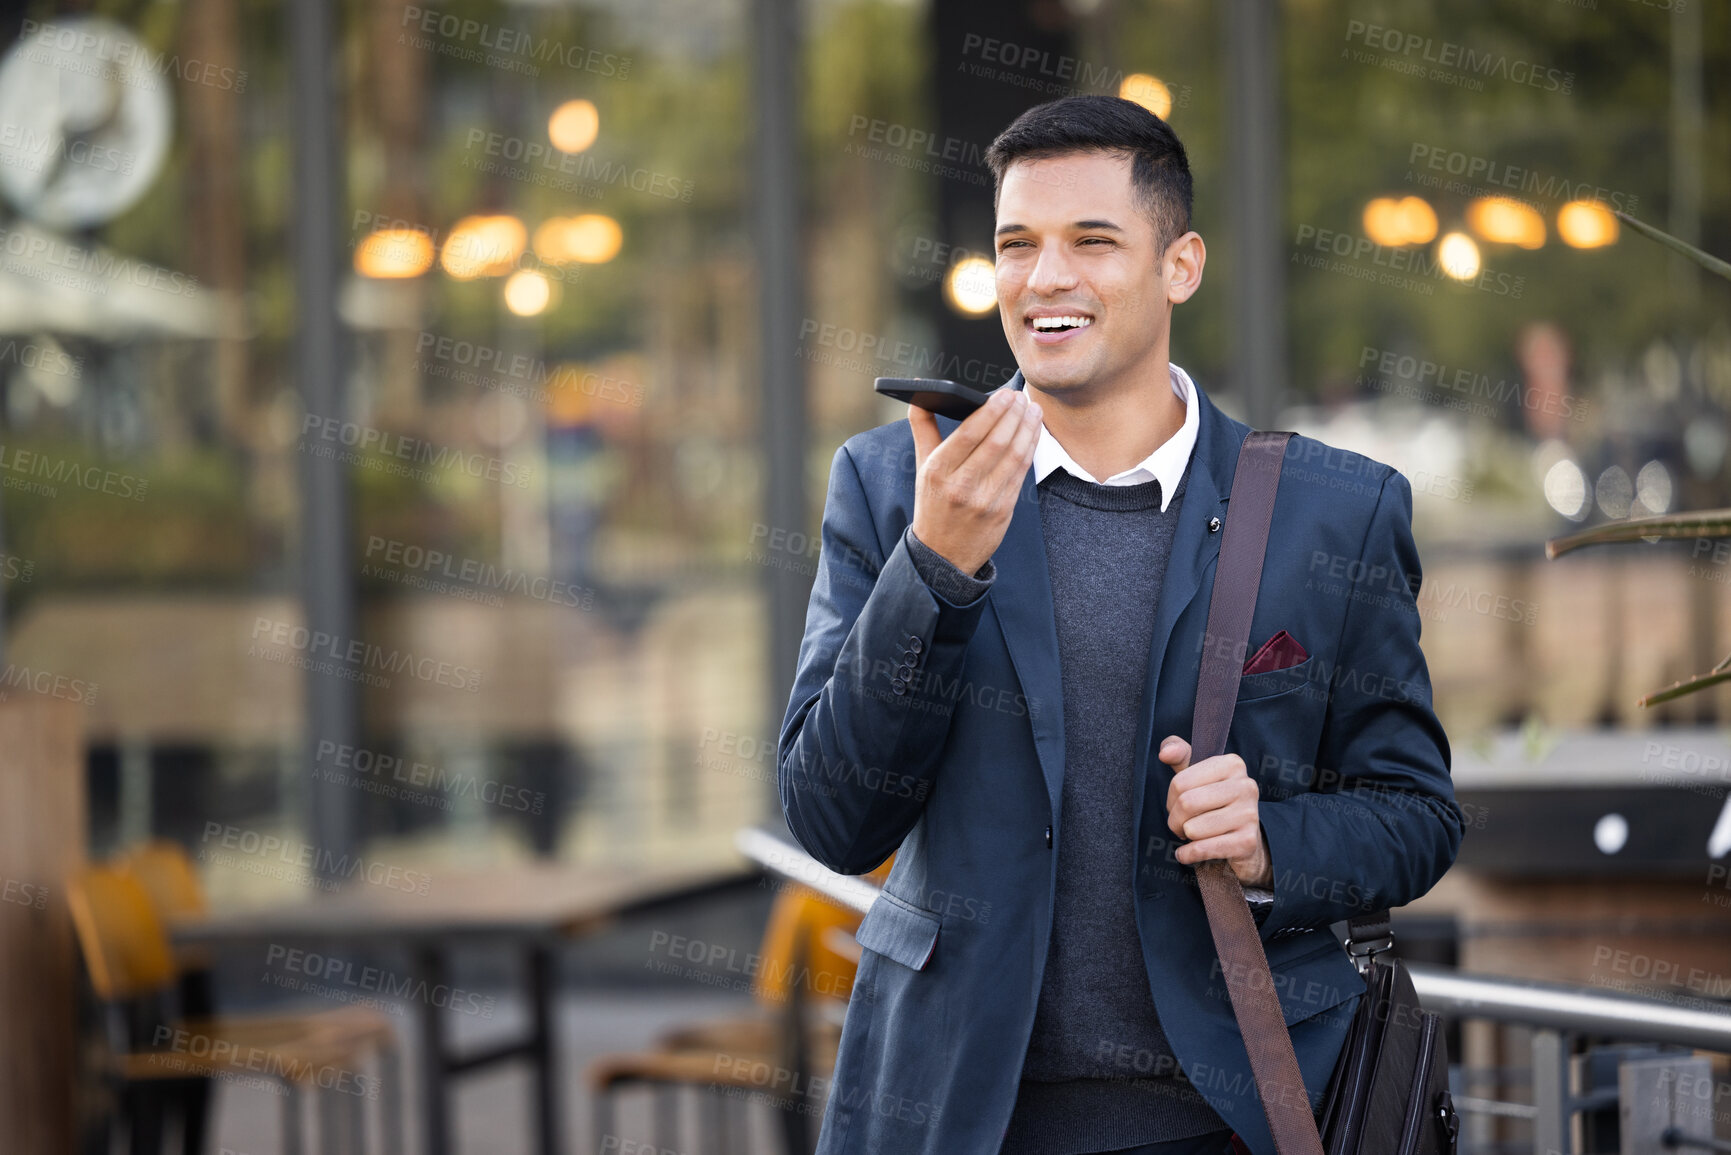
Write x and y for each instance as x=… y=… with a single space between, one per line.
x=1214 y=525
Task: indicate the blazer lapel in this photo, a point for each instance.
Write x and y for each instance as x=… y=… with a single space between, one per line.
x=1175 y=654
x=1022 y=601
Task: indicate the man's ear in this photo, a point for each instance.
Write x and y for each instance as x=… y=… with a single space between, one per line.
x=1184 y=260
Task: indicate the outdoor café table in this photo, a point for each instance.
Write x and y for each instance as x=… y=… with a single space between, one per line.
x=533 y=908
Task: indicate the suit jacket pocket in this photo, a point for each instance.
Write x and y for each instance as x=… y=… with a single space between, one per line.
x=900 y=931
x=1271 y=683
x=1314 y=979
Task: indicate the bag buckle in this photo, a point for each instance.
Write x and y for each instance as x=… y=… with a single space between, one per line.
x=1451 y=1122
x=1364 y=952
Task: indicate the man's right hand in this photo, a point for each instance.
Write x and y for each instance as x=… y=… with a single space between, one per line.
x=966 y=485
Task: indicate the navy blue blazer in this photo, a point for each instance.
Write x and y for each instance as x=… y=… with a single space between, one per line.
x=937 y=729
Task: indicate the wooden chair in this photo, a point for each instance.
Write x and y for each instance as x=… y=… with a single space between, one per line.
x=154 y=1055
x=807 y=956
x=168 y=876
x=165 y=871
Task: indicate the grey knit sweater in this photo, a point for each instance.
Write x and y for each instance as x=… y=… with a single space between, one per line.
x=1099 y=1073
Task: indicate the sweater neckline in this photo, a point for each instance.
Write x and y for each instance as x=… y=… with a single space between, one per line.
x=1111 y=498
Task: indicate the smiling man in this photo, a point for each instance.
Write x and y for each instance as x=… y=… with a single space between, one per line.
x=998 y=673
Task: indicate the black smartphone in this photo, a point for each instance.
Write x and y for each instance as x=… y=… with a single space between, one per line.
x=948 y=398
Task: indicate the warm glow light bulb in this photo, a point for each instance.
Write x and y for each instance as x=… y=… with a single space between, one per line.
x=971 y=286
x=483 y=246
x=590 y=239
x=1505 y=221
x=1149 y=91
x=1586 y=225
x=527 y=293
x=1458 y=256
x=1419 y=219
x=1407 y=221
x=390 y=254
x=574 y=126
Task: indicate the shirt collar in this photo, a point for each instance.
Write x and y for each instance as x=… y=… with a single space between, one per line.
x=1166 y=464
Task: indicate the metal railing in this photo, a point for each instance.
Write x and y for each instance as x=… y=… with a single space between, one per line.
x=1554 y=1011
x=1562 y=1007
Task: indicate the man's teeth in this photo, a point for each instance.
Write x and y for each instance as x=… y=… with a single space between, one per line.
x=1048 y=323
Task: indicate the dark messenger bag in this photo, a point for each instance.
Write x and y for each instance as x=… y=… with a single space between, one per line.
x=1388 y=1094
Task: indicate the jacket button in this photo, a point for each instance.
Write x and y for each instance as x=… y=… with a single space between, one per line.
x=1048 y=838
x=915 y=644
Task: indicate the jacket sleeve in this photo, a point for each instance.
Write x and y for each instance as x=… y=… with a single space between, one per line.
x=868 y=716
x=1380 y=825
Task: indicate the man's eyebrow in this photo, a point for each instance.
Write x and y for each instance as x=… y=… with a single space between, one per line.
x=1096 y=225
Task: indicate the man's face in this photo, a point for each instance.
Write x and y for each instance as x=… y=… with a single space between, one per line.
x=1072 y=242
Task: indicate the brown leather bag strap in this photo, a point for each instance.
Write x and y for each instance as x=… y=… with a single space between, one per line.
x=1237 y=576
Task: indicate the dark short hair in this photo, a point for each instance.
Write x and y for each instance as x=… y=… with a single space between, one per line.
x=1159 y=168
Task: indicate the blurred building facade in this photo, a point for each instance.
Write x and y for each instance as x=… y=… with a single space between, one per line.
x=571 y=560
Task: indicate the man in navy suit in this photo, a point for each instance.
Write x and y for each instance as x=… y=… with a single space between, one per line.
x=998 y=673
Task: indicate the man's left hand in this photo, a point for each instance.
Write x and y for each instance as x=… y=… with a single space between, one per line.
x=1214 y=805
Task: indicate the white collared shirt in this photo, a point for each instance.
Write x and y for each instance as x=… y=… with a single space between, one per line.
x=1166 y=464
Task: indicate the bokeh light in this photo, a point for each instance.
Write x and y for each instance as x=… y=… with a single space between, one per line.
x=1653 y=487
x=590 y=239
x=971 y=286
x=574 y=126
x=1614 y=492
x=483 y=246
x=391 y=254
x=1407 y=221
x=1566 y=489
x=1506 y=221
x=1586 y=225
x=1149 y=91
x=528 y=293
x=1459 y=256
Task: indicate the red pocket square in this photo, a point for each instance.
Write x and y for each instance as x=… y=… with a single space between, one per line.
x=1277 y=653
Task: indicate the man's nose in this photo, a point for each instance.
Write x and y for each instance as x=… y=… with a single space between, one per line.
x=1052 y=272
